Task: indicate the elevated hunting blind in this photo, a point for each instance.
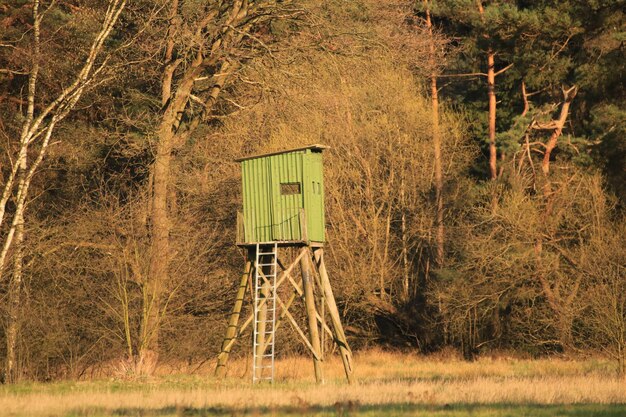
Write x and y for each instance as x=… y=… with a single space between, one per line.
x=283 y=197
x=283 y=206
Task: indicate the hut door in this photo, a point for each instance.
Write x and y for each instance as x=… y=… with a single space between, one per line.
x=287 y=198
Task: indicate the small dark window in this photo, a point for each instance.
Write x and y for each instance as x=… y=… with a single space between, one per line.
x=290 y=188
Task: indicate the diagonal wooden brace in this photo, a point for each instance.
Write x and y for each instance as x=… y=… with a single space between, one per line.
x=297 y=328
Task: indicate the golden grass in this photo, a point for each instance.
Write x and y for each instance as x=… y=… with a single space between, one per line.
x=383 y=379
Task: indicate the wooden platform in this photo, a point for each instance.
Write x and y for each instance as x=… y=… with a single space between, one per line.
x=283 y=244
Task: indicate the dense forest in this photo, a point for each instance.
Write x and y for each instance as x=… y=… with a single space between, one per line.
x=475 y=181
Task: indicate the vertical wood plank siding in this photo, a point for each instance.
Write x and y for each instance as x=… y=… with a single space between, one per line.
x=270 y=215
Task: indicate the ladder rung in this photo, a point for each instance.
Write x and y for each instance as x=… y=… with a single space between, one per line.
x=265 y=298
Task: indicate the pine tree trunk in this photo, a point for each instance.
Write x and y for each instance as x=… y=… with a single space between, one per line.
x=491 y=91
x=434 y=95
x=440 y=234
x=491 y=86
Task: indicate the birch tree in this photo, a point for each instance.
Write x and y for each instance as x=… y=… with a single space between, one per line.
x=42 y=115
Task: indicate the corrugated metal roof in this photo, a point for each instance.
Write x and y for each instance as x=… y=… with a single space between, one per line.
x=316 y=147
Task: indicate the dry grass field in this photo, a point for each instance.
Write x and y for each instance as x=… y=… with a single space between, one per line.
x=389 y=384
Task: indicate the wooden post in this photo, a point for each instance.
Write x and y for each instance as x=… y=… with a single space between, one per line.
x=340 y=336
x=307 y=284
x=321 y=306
x=231 y=330
x=323 y=321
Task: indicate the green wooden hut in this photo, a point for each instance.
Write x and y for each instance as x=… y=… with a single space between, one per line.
x=283 y=197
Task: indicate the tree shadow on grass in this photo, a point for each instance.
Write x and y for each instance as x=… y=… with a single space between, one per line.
x=350 y=409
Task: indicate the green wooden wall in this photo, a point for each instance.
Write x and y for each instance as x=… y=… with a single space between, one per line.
x=280 y=192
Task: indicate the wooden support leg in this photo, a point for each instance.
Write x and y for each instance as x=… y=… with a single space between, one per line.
x=299 y=292
x=231 y=330
x=307 y=284
x=321 y=305
x=322 y=315
x=340 y=336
